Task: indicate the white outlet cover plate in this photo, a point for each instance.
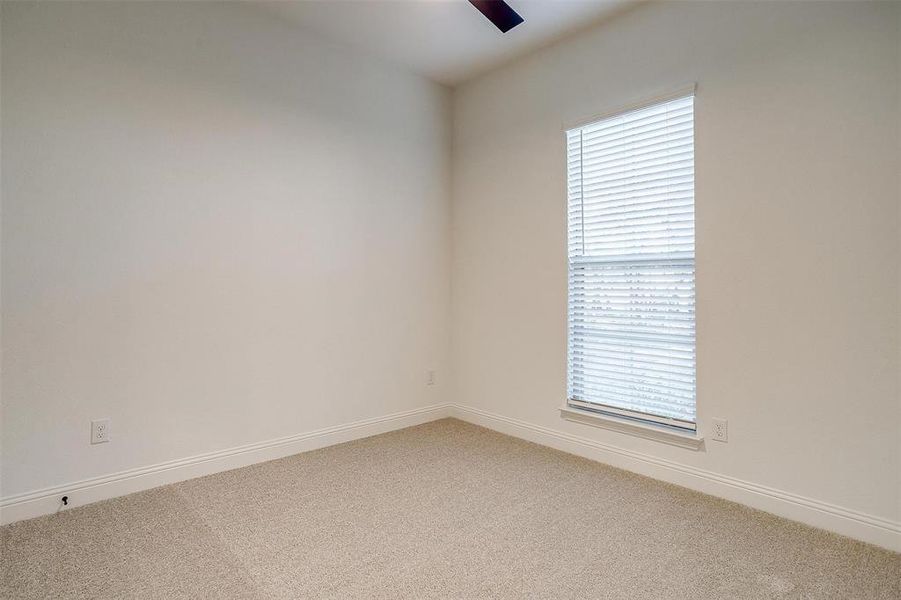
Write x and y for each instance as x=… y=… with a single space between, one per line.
x=99 y=431
x=720 y=430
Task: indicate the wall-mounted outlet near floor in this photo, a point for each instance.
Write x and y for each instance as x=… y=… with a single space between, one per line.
x=99 y=431
x=720 y=430
x=430 y=378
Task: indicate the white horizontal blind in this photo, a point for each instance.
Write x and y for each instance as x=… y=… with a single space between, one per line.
x=630 y=184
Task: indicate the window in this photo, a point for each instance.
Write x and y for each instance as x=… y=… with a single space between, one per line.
x=630 y=181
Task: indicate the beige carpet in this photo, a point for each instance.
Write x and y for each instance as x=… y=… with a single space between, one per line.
x=443 y=510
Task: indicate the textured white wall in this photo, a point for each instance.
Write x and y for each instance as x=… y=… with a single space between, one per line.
x=216 y=230
x=797 y=209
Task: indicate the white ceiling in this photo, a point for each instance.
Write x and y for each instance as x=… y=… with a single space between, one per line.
x=448 y=41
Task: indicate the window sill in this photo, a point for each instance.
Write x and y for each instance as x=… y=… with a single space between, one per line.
x=686 y=440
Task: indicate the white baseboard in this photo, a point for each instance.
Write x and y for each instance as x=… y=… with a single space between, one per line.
x=867 y=528
x=860 y=526
x=47 y=501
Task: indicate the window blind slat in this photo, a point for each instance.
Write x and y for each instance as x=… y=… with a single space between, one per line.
x=624 y=149
x=669 y=381
x=630 y=188
x=602 y=200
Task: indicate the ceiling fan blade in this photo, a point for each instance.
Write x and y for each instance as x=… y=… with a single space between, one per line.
x=499 y=13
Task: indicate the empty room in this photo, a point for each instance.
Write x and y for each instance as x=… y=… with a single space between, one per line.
x=453 y=299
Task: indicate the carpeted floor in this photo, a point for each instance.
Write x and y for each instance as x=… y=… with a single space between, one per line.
x=443 y=510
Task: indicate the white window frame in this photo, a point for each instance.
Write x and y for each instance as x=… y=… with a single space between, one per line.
x=644 y=425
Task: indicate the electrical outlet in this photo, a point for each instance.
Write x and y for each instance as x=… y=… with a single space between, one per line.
x=100 y=431
x=430 y=378
x=720 y=431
